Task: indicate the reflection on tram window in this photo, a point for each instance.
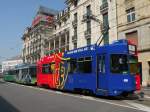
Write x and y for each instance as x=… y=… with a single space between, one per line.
x=102 y=64
x=119 y=63
x=72 y=66
x=85 y=65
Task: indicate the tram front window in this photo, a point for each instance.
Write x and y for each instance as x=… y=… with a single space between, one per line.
x=119 y=64
x=133 y=65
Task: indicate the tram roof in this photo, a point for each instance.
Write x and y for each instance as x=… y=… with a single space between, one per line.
x=21 y=66
x=94 y=47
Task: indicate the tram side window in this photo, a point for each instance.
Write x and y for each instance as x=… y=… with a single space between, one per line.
x=5 y=72
x=85 y=65
x=48 y=68
x=72 y=66
x=11 y=72
x=16 y=72
x=33 y=72
x=24 y=72
x=119 y=63
x=45 y=69
x=102 y=64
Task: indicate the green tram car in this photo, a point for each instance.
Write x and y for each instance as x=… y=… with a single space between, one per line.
x=26 y=74
x=9 y=75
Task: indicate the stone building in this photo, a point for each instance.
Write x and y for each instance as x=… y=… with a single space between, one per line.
x=89 y=20
x=58 y=40
x=133 y=21
x=35 y=35
x=82 y=23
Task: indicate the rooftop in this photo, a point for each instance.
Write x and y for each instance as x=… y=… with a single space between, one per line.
x=48 y=11
x=68 y=1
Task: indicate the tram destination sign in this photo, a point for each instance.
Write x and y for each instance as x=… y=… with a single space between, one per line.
x=88 y=48
x=132 y=49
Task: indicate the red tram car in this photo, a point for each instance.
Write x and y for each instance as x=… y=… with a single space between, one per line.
x=48 y=70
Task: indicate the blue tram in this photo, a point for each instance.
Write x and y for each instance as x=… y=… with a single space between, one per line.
x=108 y=70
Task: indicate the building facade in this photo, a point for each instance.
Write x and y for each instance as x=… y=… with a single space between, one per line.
x=89 y=20
x=59 y=38
x=34 y=36
x=80 y=24
x=134 y=24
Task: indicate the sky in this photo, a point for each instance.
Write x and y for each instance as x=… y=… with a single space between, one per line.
x=15 y=16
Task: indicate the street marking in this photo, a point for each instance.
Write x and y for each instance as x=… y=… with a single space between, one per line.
x=81 y=97
x=140 y=106
x=145 y=96
x=58 y=92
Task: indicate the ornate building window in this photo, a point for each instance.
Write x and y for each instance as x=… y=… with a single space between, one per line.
x=130 y=15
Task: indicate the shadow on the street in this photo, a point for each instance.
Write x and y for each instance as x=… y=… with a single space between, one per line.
x=5 y=106
x=133 y=97
x=129 y=97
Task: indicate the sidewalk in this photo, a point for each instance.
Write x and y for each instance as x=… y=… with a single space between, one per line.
x=146 y=91
x=143 y=96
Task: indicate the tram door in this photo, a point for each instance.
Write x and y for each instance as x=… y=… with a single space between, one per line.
x=101 y=72
x=61 y=76
x=140 y=70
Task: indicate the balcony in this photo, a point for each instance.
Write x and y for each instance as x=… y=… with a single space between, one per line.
x=88 y=16
x=104 y=7
x=87 y=34
x=74 y=23
x=74 y=38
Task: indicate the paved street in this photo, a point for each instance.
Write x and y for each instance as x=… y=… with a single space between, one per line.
x=19 y=98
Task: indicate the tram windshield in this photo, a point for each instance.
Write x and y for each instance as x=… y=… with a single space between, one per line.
x=119 y=64
x=133 y=65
